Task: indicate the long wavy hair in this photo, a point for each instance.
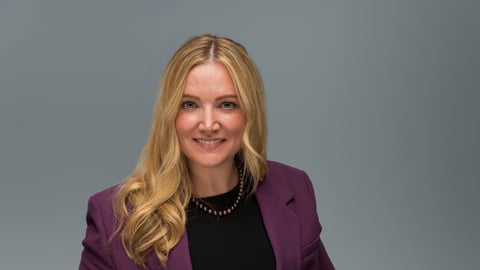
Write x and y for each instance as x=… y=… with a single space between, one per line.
x=150 y=203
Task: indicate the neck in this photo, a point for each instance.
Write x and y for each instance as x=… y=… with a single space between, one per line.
x=210 y=182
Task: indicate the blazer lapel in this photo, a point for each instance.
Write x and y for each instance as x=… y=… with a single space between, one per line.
x=281 y=223
x=178 y=259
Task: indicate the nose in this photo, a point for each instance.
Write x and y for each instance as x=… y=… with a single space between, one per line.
x=209 y=121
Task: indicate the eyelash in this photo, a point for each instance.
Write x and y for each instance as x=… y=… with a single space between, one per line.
x=231 y=105
x=189 y=105
x=227 y=105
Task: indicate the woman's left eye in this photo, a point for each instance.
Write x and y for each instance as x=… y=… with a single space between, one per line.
x=228 y=105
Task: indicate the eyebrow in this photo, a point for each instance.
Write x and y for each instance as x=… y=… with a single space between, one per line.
x=218 y=98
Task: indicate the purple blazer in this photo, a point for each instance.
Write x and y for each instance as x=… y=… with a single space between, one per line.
x=287 y=203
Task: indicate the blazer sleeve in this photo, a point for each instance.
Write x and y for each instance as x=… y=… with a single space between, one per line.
x=95 y=254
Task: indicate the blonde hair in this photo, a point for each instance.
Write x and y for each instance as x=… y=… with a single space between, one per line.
x=150 y=204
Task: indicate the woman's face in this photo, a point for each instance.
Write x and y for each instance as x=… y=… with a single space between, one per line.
x=210 y=123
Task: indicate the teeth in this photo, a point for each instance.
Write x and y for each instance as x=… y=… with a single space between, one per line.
x=209 y=141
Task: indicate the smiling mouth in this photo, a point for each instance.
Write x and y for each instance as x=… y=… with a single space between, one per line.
x=216 y=141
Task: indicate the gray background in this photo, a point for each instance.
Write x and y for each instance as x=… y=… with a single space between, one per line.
x=379 y=101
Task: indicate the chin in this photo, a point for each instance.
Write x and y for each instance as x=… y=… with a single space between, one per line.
x=211 y=162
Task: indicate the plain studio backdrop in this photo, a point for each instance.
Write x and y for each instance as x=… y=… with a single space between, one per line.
x=379 y=101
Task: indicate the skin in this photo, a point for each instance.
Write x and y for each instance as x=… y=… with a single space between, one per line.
x=209 y=126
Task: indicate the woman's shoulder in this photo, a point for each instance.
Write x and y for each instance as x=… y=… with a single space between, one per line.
x=102 y=201
x=100 y=208
x=106 y=195
x=284 y=171
x=286 y=175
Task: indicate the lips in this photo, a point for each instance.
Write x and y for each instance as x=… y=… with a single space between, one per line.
x=209 y=141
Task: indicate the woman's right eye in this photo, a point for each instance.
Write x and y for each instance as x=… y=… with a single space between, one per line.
x=189 y=105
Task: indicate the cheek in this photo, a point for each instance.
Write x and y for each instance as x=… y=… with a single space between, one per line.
x=182 y=124
x=236 y=124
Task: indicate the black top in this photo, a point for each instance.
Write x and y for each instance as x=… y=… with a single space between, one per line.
x=234 y=241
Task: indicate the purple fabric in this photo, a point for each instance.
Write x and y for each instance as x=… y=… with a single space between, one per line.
x=287 y=203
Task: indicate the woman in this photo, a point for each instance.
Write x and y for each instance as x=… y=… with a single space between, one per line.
x=203 y=195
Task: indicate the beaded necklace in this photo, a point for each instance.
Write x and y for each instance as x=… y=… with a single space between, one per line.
x=207 y=209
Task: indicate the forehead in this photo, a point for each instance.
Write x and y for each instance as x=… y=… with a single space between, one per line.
x=210 y=77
